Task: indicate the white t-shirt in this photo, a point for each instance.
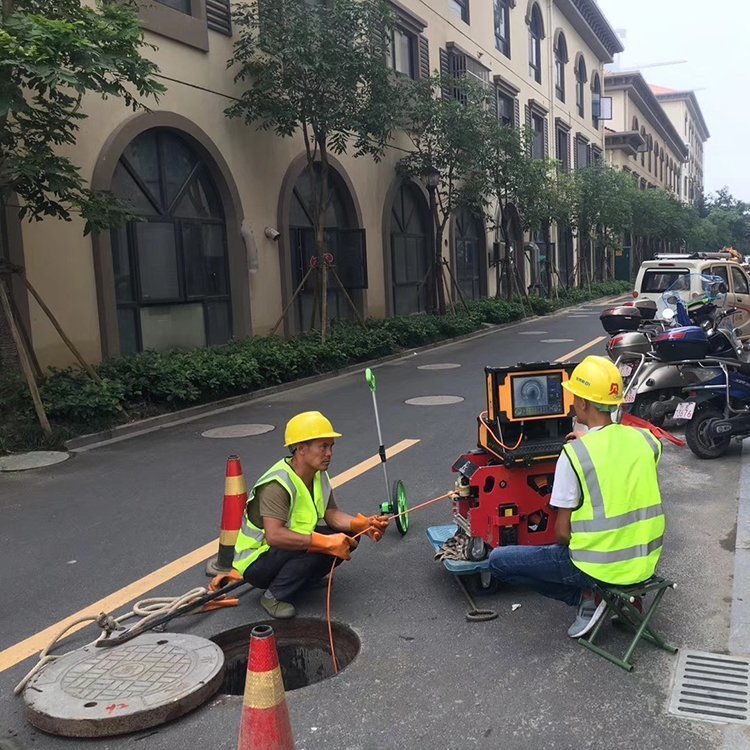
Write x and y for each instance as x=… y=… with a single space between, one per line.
x=566 y=490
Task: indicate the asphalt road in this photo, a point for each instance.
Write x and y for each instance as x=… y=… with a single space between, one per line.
x=424 y=677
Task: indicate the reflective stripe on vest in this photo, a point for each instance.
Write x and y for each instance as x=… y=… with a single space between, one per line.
x=303 y=516
x=618 y=538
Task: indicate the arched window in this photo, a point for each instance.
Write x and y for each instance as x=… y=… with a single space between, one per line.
x=343 y=240
x=170 y=269
x=411 y=255
x=581 y=78
x=536 y=34
x=561 y=60
x=596 y=100
x=470 y=253
x=645 y=145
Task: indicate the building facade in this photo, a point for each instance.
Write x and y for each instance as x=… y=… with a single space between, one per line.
x=641 y=139
x=684 y=112
x=227 y=236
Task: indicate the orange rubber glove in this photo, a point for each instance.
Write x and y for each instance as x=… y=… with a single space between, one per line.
x=336 y=545
x=373 y=526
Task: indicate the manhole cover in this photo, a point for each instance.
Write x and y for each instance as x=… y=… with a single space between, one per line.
x=98 y=692
x=440 y=366
x=303 y=647
x=238 y=431
x=434 y=400
x=711 y=687
x=33 y=460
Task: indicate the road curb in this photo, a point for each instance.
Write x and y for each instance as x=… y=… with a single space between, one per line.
x=119 y=433
x=739 y=634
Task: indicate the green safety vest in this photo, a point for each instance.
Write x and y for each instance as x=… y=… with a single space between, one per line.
x=617 y=533
x=304 y=511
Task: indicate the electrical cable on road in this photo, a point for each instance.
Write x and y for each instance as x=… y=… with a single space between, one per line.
x=450 y=494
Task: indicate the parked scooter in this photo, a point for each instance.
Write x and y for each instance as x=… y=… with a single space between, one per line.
x=659 y=365
x=718 y=409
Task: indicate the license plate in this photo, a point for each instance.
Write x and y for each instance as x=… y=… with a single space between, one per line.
x=625 y=369
x=685 y=410
x=630 y=396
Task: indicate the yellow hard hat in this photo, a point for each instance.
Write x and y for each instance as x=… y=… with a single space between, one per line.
x=596 y=379
x=309 y=425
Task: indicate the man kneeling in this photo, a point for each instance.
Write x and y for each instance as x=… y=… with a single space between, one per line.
x=610 y=521
x=280 y=547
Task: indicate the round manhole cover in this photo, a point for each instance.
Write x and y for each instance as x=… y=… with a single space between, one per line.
x=434 y=400
x=33 y=460
x=302 y=645
x=439 y=366
x=98 y=692
x=238 y=431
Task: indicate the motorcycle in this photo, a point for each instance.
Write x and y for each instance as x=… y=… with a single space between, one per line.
x=718 y=410
x=655 y=383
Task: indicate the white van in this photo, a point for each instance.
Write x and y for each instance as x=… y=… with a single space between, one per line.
x=656 y=276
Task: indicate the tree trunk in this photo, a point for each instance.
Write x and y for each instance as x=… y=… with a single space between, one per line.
x=548 y=254
x=438 y=269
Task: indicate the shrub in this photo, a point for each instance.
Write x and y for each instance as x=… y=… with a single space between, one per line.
x=162 y=381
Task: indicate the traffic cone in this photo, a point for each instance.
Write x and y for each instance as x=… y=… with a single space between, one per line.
x=235 y=499
x=265 y=716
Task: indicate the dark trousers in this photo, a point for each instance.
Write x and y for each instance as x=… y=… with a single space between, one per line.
x=548 y=570
x=284 y=573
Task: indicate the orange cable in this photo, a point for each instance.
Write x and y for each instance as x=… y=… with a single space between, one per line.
x=497 y=439
x=333 y=567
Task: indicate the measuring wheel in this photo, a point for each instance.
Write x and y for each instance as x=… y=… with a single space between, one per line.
x=398 y=505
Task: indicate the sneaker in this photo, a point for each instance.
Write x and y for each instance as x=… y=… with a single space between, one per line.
x=277 y=609
x=590 y=611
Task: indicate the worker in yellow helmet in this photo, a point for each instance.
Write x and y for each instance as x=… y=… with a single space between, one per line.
x=610 y=521
x=280 y=547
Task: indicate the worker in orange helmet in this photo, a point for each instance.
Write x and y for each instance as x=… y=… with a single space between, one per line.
x=280 y=547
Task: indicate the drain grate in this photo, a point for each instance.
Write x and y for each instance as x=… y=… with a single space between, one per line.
x=712 y=687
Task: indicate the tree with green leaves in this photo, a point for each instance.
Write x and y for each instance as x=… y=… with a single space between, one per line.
x=317 y=71
x=52 y=56
x=601 y=213
x=544 y=198
x=445 y=120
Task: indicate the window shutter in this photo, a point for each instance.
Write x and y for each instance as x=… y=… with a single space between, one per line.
x=517 y=114
x=445 y=71
x=527 y=121
x=424 y=56
x=219 y=16
x=546 y=138
x=575 y=153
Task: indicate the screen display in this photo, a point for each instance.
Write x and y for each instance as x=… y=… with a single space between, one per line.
x=538 y=395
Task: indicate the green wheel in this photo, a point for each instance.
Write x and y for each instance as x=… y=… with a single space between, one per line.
x=400 y=505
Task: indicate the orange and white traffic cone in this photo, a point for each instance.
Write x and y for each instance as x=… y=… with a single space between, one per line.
x=235 y=499
x=265 y=716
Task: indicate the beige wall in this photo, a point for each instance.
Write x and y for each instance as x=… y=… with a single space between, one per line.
x=60 y=261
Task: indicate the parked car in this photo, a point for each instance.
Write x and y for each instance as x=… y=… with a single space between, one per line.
x=671 y=271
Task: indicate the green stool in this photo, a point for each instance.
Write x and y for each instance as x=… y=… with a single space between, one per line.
x=620 y=601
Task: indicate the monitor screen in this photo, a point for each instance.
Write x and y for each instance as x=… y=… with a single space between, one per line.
x=538 y=395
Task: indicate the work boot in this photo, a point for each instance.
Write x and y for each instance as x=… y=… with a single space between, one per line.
x=277 y=609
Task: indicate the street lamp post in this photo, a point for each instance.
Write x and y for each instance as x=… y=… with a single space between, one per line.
x=431 y=179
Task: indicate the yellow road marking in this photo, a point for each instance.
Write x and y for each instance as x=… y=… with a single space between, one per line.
x=580 y=349
x=33 y=644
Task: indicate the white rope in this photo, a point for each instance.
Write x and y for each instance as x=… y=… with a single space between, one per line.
x=149 y=609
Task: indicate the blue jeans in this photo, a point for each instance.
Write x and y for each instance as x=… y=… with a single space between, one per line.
x=548 y=570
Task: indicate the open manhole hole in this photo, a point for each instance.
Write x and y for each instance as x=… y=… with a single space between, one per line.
x=303 y=648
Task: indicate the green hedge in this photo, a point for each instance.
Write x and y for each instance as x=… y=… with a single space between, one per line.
x=154 y=382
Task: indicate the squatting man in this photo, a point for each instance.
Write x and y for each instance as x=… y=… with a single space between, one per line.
x=281 y=547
